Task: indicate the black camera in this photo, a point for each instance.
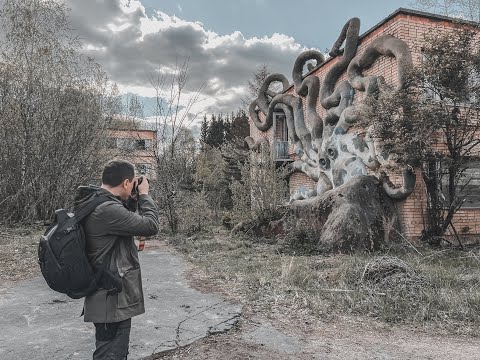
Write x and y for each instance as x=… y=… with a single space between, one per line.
x=139 y=181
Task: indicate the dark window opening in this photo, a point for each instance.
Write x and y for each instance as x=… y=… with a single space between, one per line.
x=140 y=144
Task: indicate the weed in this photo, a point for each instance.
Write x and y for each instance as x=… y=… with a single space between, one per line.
x=440 y=288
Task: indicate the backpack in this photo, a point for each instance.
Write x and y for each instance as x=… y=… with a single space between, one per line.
x=63 y=257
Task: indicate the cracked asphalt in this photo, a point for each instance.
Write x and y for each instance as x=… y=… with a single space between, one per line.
x=38 y=323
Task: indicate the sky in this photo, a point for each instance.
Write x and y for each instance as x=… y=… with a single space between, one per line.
x=225 y=41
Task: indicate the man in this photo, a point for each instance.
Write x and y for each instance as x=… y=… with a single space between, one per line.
x=109 y=232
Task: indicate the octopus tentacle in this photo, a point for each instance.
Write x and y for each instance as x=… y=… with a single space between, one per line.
x=301 y=86
x=385 y=45
x=299 y=128
x=409 y=179
x=263 y=101
x=309 y=87
x=250 y=144
x=349 y=34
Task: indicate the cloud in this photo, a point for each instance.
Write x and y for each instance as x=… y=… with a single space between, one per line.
x=130 y=45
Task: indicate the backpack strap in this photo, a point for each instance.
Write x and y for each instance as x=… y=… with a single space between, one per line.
x=92 y=205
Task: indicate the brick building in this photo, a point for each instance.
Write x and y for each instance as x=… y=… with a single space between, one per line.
x=409 y=26
x=135 y=145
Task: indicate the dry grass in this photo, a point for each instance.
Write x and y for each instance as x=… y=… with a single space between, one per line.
x=439 y=288
x=18 y=252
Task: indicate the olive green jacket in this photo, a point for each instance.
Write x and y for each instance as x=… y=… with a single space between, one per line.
x=109 y=231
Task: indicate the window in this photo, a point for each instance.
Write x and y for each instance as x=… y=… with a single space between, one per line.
x=471 y=185
x=148 y=144
x=468 y=185
x=281 y=130
x=142 y=169
x=280 y=142
x=124 y=143
x=111 y=143
x=140 y=144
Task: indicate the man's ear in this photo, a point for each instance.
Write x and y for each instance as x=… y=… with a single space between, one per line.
x=125 y=183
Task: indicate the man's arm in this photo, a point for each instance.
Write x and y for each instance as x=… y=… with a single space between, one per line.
x=120 y=221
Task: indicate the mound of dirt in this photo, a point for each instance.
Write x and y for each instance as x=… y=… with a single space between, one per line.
x=389 y=272
x=356 y=216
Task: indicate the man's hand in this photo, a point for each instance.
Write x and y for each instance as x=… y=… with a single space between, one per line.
x=144 y=186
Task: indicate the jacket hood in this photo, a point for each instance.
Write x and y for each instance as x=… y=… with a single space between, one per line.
x=85 y=194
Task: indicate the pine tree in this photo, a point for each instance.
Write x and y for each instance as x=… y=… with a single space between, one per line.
x=204 y=132
x=238 y=127
x=216 y=131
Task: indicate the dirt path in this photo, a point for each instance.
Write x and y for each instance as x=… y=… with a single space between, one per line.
x=268 y=339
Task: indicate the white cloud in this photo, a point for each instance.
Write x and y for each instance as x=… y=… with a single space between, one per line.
x=129 y=45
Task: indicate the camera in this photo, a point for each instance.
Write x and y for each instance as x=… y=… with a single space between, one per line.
x=139 y=181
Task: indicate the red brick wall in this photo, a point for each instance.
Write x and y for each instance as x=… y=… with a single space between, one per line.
x=411 y=29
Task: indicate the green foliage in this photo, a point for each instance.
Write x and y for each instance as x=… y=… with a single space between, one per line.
x=396 y=123
x=204 y=131
x=450 y=77
x=216 y=131
x=262 y=190
x=224 y=129
x=210 y=176
x=434 y=122
x=239 y=128
x=194 y=212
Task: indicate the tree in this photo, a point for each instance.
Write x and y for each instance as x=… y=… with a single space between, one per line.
x=216 y=131
x=210 y=176
x=255 y=83
x=54 y=111
x=465 y=9
x=204 y=132
x=450 y=78
x=239 y=128
x=262 y=190
x=434 y=124
x=174 y=152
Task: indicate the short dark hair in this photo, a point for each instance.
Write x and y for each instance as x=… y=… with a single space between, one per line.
x=116 y=171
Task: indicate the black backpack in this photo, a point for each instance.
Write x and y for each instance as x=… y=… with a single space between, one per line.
x=63 y=258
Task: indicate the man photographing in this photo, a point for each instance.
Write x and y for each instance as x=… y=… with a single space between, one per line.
x=109 y=232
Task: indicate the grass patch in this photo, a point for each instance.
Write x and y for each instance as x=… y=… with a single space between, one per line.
x=439 y=288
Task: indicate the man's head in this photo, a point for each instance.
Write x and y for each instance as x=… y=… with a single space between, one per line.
x=118 y=177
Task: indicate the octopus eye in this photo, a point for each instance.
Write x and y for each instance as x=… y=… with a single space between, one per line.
x=331 y=153
x=323 y=162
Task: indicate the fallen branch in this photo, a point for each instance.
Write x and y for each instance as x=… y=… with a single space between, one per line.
x=475 y=256
x=353 y=290
x=404 y=238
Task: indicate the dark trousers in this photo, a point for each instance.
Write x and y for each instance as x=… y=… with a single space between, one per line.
x=111 y=340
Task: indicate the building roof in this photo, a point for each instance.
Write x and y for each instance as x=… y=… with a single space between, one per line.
x=418 y=13
x=131 y=129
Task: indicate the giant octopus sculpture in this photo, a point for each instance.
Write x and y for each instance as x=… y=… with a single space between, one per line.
x=329 y=153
